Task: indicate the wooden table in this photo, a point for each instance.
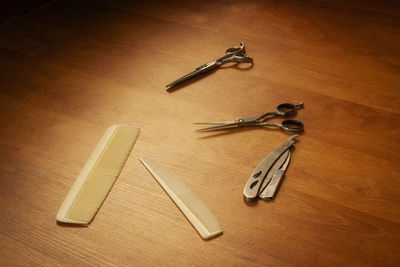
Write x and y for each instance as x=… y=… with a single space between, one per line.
x=70 y=69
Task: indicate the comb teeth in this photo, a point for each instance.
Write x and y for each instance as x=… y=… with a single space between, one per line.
x=98 y=175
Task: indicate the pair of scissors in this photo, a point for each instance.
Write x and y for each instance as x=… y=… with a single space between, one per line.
x=235 y=54
x=285 y=109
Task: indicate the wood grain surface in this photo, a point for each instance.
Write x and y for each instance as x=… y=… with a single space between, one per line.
x=71 y=69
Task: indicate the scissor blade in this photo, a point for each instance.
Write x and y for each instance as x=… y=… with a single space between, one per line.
x=203 y=69
x=219 y=126
x=183 y=79
x=215 y=122
x=250 y=121
x=270 y=191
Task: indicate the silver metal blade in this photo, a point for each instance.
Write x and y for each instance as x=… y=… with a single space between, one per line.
x=220 y=126
x=270 y=191
x=254 y=183
x=184 y=79
x=197 y=73
x=276 y=166
x=215 y=122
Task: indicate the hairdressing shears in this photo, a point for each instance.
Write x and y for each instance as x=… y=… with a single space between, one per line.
x=234 y=54
x=285 y=109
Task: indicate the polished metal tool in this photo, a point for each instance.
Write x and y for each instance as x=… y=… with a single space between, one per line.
x=273 y=183
x=235 y=54
x=285 y=109
x=264 y=181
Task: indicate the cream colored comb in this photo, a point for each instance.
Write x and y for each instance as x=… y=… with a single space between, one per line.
x=98 y=175
x=199 y=215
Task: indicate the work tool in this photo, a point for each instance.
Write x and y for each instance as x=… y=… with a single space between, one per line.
x=199 y=215
x=98 y=175
x=264 y=181
x=286 y=109
x=236 y=54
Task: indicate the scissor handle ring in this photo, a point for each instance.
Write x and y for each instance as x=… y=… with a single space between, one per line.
x=286 y=109
x=292 y=125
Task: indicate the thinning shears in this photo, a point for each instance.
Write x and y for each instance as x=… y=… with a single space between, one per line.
x=234 y=54
x=285 y=109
